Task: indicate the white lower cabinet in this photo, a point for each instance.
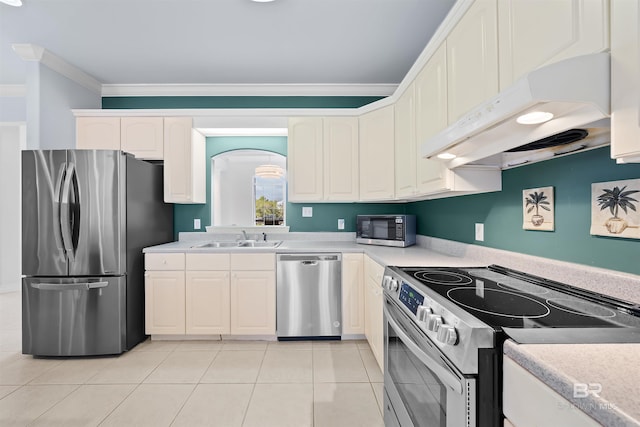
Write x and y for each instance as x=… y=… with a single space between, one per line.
x=253 y=303
x=210 y=294
x=207 y=297
x=164 y=302
x=373 y=306
x=352 y=294
x=528 y=402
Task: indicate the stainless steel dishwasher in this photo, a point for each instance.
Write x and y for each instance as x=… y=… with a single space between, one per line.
x=309 y=296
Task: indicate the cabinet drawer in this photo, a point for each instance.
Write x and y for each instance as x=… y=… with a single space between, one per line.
x=253 y=262
x=208 y=262
x=373 y=270
x=164 y=261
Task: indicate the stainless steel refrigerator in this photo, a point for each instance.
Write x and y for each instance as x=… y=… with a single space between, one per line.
x=86 y=215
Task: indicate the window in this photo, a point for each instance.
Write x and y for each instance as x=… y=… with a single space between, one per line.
x=239 y=197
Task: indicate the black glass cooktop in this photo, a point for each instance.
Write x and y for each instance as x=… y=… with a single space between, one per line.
x=504 y=298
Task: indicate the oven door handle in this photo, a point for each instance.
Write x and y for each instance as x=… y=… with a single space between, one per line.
x=447 y=377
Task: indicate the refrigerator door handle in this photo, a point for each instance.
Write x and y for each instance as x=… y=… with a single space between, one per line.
x=57 y=225
x=66 y=219
x=69 y=286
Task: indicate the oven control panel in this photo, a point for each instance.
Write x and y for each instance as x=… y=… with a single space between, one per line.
x=411 y=298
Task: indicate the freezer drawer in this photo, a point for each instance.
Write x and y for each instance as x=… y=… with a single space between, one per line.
x=309 y=295
x=73 y=316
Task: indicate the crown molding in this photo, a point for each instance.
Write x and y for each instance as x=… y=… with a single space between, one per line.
x=13 y=90
x=31 y=52
x=116 y=90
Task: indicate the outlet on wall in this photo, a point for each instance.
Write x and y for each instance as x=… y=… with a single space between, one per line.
x=480 y=232
x=196 y=223
x=307 y=211
x=341 y=224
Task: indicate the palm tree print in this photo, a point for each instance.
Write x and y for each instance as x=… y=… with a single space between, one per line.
x=614 y=199
x=537 y=201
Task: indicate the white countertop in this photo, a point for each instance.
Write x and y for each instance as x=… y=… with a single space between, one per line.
x=411 y=256
x=615 y=367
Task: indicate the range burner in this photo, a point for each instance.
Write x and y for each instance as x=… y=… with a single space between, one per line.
x=503 y=298
x=442 y=277
x=583 y=308
x=497 y=302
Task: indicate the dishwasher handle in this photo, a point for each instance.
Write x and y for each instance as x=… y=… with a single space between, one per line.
x=309 y=259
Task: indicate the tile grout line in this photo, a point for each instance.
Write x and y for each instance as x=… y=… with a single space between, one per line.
x=253 y=389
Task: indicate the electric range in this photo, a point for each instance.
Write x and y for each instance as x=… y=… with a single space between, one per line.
x=451 y=324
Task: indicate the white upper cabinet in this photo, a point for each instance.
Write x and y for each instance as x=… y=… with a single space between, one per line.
x=472 y=59
x=143 y=137
x=377 y=177
x=431 y=118
x=184 y=164
x=625 y=81
x=322 y=159
x=98 y=133
x=535 y=33
x=305 y=159
x=405 y=144
x=340 y=149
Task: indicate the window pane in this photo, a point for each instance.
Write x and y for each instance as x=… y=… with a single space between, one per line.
x=269 y=200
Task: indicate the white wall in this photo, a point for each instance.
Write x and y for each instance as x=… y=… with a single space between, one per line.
x=50 y=98
x=12 y=140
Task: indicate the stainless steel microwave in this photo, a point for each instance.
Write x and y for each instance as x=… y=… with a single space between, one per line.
x=386 y=230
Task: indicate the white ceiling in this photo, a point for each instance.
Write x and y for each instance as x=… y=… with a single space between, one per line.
x=224 y=41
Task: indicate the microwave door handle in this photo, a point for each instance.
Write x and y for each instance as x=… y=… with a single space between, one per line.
x=65 y=217
x=447 y=377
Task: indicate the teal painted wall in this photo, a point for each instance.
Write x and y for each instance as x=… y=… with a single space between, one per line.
x=128 y=102
x=325 y=215
x=501 y=212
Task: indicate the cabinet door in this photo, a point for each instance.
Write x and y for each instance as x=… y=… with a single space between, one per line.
x=374 y=318
x=472 y=59
x=304 y=159
x=377 y=176
x=164 y=302
x=405 y=144
x=143 y=137
x=521 y=388
x=373 y=300
x=352 y=294
x=184 y=164
x=431 y=118
x=625 y=81
x=207 y=302
x=340 y=147
x=571 y=28
x=253 y=303
x=98 y=133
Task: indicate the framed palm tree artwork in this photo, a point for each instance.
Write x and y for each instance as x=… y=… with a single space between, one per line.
x=615 y=208
x=538 y=209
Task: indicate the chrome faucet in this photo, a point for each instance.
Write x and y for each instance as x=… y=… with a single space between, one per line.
x=244 y=233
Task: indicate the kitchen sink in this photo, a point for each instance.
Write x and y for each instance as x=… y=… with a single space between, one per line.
x=240 y=244
x=258 y=244
x=217 y=245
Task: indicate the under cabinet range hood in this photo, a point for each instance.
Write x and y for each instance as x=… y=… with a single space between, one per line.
x=575 y=91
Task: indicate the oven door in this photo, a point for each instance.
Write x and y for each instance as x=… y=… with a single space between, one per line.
x=421 y=387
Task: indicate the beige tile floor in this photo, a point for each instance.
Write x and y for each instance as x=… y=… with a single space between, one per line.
x=190 y=383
